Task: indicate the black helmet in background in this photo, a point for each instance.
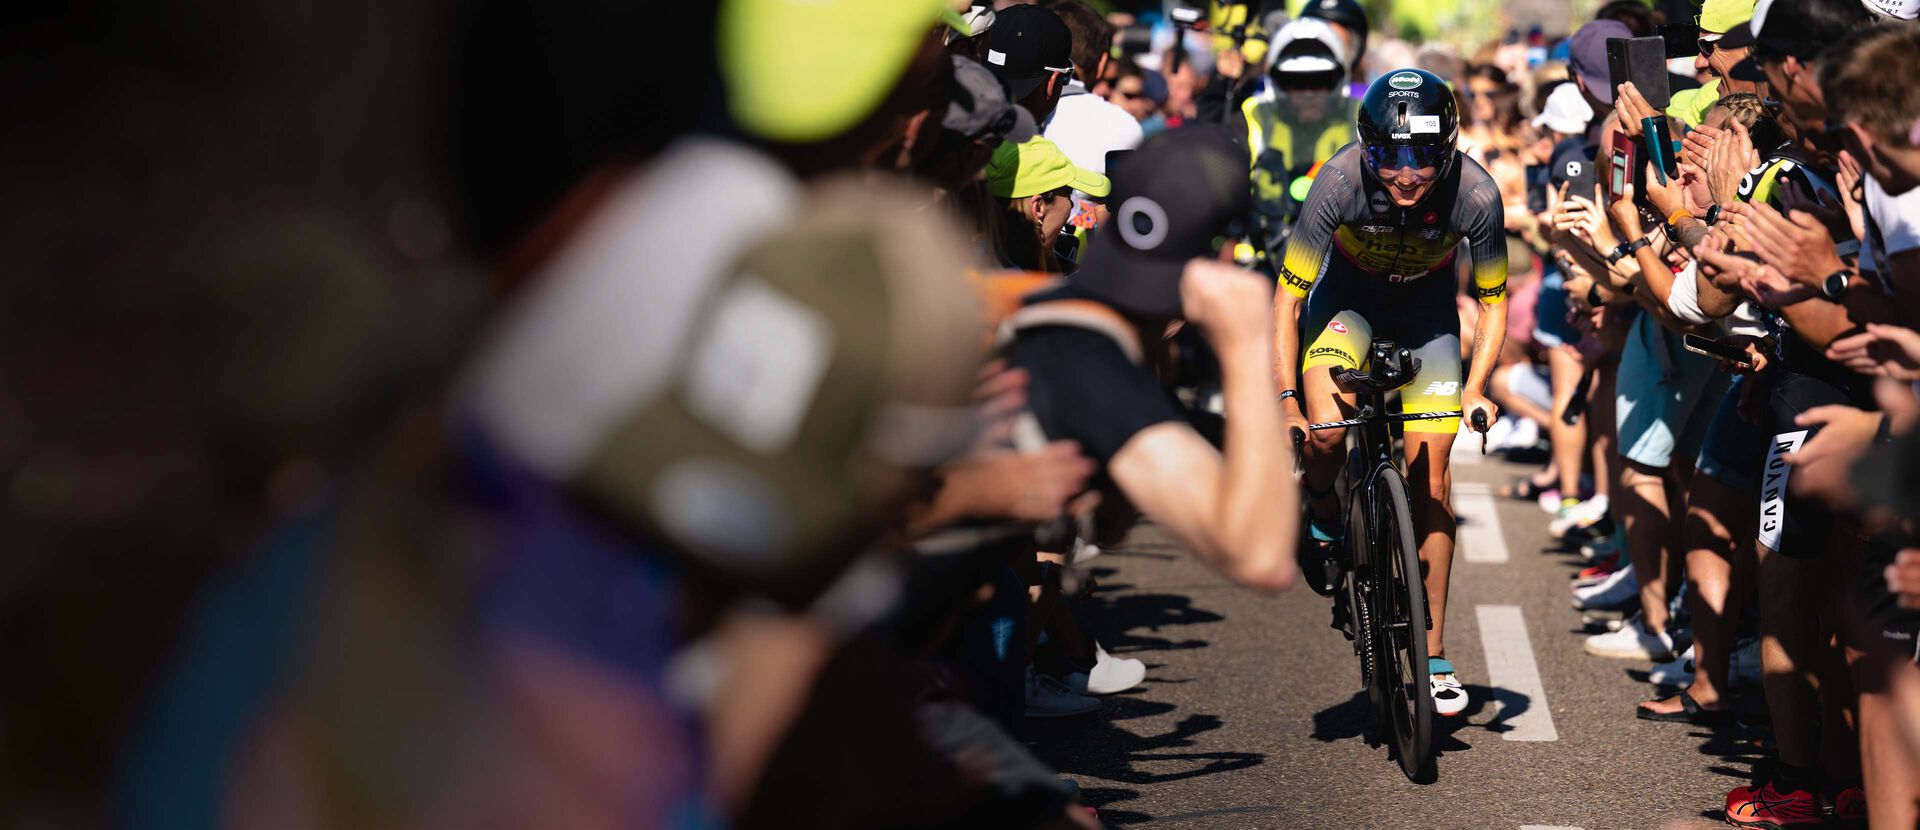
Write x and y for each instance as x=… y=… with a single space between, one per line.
x=1407 y=120
x=1349 y=15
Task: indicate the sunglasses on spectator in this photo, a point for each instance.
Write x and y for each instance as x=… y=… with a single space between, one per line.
x=1708 y=43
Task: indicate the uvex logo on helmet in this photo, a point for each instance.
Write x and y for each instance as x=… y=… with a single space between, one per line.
x=1404 y=80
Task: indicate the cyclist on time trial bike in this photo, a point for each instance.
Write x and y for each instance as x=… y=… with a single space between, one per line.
x=1375 y=245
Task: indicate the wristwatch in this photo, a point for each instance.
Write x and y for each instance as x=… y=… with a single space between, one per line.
x=1288 y=393
x=1627 y=249
x=1836 y=284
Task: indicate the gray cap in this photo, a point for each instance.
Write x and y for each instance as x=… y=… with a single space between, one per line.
x=981 y=107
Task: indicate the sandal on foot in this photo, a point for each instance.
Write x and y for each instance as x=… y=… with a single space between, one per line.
x=1690 y=712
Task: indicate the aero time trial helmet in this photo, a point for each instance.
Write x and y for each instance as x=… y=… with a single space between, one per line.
x=1408 y=120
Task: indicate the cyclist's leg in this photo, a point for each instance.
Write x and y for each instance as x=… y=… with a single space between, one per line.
x=1334 y=335
x=1436 y=342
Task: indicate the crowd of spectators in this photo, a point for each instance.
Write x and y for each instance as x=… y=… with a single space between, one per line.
x=742 y=466
x=1742 y=515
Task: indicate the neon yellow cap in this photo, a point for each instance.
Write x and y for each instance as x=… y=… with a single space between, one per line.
x=1037 y=166
x=1690 y=105
x=1720 y=16
x=808 y=70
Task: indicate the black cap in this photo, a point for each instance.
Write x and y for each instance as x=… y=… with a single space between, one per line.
x=1803 y=28
x=1171 y=198
x=1738 y=37
x=1026 y=44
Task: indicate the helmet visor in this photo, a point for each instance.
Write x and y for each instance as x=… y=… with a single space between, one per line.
x=1418 y=161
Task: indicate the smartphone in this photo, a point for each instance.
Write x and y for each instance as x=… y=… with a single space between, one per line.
x=1643 y=62
x=1537 y=188
x=1716 y=349
x=1659 y=147
x=1581 y=178
x=1619 y=166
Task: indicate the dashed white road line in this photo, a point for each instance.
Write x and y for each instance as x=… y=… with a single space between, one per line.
x=1481 y=540
x=1520 y=709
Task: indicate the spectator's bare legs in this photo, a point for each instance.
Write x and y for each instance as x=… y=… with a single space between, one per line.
x=1721 y=573
x=1433 y=524
x=1790 y=646
x=1565 y=369
x=1642 y=504
x=1498 y=390
x=1889 y=767
x=1600 y=428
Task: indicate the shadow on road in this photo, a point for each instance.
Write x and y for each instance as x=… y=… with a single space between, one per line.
x=1100 y=747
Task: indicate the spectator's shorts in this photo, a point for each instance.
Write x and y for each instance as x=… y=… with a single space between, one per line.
x=1550 y=326
x=1887 y=625
x=1349 y=307
x=1793 y=527
x=1533 y=384
x=1664 y=396
x=1734 y=447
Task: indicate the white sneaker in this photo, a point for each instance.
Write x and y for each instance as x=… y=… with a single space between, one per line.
x=1449 y=697
x=1675 y=672
x=1110 y=674
x=1049 y=698
x=1632 y=642
x=1498 y=434
x=1579 y=515
x=1619 y=588
x=1524 y=434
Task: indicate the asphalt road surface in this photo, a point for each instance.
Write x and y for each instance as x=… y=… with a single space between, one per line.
x=1252 y=716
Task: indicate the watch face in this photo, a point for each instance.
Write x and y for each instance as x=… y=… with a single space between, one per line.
x=1836 y=284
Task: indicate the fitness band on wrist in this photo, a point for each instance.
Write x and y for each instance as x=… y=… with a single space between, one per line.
x=1674 y=220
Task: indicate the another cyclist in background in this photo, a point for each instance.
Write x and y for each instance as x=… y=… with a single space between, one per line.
x=1382 y=223
x=1298 y=121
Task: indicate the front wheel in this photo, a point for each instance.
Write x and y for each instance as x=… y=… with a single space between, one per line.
x=1402 y=626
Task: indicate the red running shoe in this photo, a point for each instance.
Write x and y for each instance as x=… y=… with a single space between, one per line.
x=1850 y=806
x=1766 y=807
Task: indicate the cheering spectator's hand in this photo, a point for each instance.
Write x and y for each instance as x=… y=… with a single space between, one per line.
x=1695 y=144
x=1230 y=304
x=1850 y=184
x=1884 y=350
x=1797 y=245
x=1767 y=287
x=1693 y=186
x=1728 y=162
x=1625 y=214
x=1822 y=464
x=1629 y=106
x=1667 y=198
x=1903 y=578
x=1230 y=64
x=1583 y=218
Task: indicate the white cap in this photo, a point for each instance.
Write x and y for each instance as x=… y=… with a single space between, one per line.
x=1896 y=9
x=1567 y=111
x=1314 y=29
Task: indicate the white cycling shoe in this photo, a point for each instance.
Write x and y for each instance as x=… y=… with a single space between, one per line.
x=1449 y=697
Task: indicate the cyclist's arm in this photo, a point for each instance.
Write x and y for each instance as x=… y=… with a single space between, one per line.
x=1332 y=197
x=1487 y=242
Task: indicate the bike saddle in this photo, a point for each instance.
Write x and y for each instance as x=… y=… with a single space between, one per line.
x=1388 y=368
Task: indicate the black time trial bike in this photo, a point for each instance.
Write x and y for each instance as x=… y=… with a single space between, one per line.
x=1384 y=593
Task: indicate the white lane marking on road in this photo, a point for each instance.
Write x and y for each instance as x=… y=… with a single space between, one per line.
x=1546 y=827
x=1521 y=712
x=1481 y=540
